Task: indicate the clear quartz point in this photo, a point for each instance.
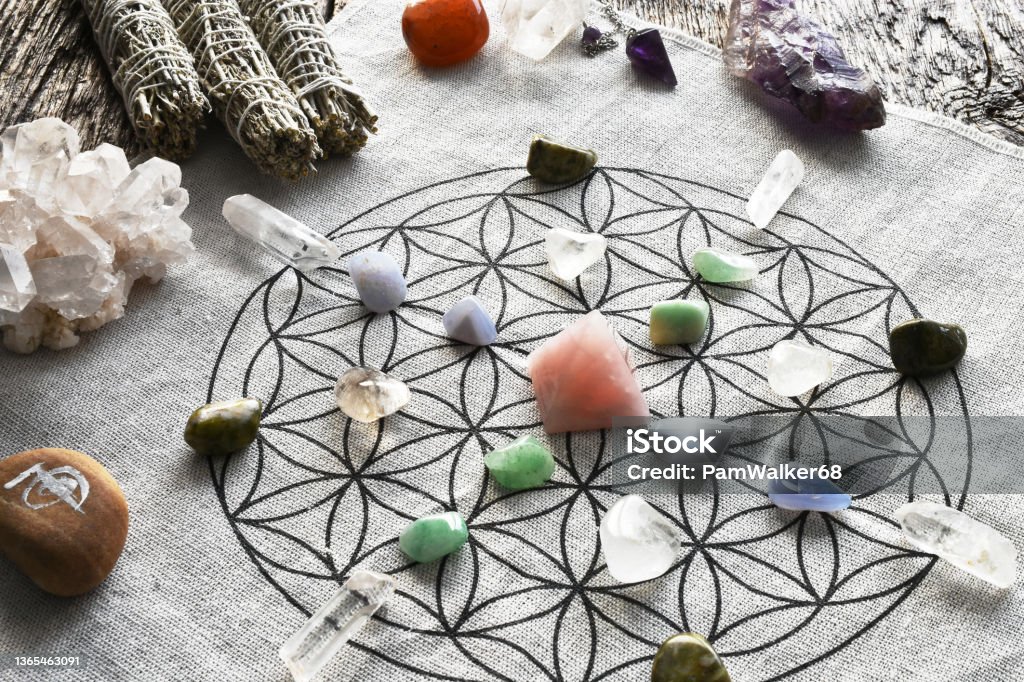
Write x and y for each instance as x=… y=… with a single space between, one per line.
x=17 y=288
x=785 y=173
x=335 y=623
x=284 y=237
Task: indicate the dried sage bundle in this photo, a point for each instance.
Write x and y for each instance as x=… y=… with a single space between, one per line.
x=254 y=104
x=292 y=32
x=153 y=71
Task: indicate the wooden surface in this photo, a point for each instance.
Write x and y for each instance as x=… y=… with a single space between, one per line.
x=964 y=58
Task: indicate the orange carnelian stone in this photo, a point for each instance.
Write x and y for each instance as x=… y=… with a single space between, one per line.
x=443 y=32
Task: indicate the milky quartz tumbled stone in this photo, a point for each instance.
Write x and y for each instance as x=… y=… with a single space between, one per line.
x=638 y=541
x=570 y=253
x=782 y=177
x=964 y=542
x=366 y=394
x=583 y=378
x=795 y=367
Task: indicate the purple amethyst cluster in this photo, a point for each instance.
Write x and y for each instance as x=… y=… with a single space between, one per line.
x=794 y=58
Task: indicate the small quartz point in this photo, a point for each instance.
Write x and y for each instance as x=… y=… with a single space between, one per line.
x=638 y=541
x=17 y=289
x=367 y=394
x=570 y=253
x=284 y=237
x=795 y=367
x=793 y=57
x=785 y=173
x=335 y=623
x=536 y=27
x=954 y=536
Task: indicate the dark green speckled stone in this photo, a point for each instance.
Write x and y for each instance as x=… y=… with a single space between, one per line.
x=558 y=163
x=224 y=427
x=687 y=657
x=922 y=347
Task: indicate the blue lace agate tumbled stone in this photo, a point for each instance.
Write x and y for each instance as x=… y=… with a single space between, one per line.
x=808 y=494
x=468 y=322
x=378 y=280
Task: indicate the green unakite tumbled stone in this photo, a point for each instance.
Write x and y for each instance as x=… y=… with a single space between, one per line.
x=224 y=427
x=720 y=266
x=434 y=536
x=523 y=463
x=558 y=163
x=687 y=657
x=678 y=321
x=921 y=347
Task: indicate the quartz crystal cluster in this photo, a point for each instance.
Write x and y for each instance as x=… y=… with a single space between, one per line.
x=793 y=57
x=77 y=230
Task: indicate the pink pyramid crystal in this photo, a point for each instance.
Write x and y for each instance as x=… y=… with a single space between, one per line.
x=582 y=378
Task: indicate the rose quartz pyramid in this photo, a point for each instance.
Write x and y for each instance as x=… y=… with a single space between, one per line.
x=582 y=378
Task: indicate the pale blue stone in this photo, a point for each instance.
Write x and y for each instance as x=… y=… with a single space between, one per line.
x=467 y=321
x=810 y=494
x=378 y=280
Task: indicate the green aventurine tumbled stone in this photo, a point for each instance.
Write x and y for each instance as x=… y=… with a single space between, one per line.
x=678 y=321
x=558 y=163
x=687 y=657
x=720 y=266
x=921 y=347
x=224 y=427
x=432 y=537
x=523 y=463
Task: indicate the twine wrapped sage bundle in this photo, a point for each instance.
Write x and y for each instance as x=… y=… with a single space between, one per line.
x=292 y=32
x=153 y=71
x=247 y=95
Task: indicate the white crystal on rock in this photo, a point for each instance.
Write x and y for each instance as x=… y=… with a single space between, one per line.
x=964 y=542
x=86 y=227
x=284 y=237
x=17 y=289
x=91 y=179
x=785 y=173
x=795 y=367
x=570 y=253
x=335 y=623
x=638 y=541
x=536 y=27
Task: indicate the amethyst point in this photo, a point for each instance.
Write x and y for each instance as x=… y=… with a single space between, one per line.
x=793 y=57
x=647 y=54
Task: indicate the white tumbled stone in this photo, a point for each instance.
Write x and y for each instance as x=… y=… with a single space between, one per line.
x=570 y=253
x=795 y=367
x=638 y=541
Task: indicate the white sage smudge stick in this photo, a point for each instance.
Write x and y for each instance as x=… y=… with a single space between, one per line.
x=292 y=32
x=247 y=95
x=153 y=71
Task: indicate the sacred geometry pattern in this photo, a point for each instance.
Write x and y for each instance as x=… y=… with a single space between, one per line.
x=529 y=597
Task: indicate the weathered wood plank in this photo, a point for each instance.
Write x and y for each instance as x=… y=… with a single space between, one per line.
x=964 y=58
x=50 y=66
